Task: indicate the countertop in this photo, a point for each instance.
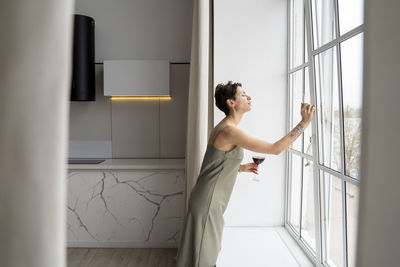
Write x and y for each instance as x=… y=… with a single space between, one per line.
x=132 y=164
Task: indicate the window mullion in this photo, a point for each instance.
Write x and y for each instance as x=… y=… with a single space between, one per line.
x=291 y=33
x=341 y=122
x=303 y=93
x=287 y=191
x=286 y=219
x=339 y=175
x=301 y=154
x=340 y=88
x=317 y=202
x=344 y=209
x=302 y=66
x=288 y=172
x=339 y=39
x=301 y=199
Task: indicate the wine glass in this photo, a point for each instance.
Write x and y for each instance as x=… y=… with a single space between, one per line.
x=258 y=159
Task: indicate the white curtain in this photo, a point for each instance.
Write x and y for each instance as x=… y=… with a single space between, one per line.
x=200 y=100
x=35 y=52
x=200 y=105
x=379 y=213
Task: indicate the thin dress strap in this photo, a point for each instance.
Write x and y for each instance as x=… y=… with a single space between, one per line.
x=219 y=131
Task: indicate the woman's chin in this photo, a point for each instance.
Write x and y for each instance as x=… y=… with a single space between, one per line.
x=246 y=110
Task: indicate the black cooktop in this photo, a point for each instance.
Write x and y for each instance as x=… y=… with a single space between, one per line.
x=85 y=161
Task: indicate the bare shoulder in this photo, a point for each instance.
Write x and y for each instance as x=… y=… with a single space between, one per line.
x=231 y=131
x=221 y=129
x=219 y=136
x=228 y=129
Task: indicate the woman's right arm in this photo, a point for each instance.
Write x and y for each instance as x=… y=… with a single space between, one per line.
x=240 y=138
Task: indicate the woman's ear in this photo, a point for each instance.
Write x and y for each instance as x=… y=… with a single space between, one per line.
x=229 y=102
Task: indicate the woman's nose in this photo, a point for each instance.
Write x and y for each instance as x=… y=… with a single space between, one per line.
x=248 y=97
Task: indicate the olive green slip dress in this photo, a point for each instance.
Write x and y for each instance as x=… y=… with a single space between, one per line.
x=202 y=233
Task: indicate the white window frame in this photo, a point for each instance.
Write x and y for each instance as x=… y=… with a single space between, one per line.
x=309 y=62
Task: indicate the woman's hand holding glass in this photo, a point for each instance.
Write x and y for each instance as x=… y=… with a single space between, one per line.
x=253 y=166
x=249 y=167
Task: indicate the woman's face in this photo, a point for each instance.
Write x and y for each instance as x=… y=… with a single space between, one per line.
x=242 y=101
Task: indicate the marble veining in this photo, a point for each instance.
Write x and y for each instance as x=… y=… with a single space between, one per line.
x=125 y=206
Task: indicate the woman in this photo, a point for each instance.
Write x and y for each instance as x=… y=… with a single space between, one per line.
x=201 y=236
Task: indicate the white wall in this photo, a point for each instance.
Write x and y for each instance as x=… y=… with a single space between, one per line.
x=250 y=47
x=379 y=217
x=140 y=29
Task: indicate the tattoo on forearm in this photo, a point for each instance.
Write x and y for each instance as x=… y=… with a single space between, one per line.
x=296 y=131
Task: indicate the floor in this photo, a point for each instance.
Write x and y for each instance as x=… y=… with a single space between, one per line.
x=120 y=257
x=241 y=246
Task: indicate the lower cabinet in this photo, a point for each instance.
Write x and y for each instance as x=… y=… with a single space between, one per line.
x=124 y=208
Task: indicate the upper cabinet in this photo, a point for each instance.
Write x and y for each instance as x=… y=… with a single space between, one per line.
x=136 y=78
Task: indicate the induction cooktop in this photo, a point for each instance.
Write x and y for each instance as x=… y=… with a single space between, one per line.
x=85 y=161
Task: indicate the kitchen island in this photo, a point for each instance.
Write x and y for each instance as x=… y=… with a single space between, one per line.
x=125 y=203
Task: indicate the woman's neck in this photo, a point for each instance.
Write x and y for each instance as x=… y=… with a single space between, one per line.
x=234 y=118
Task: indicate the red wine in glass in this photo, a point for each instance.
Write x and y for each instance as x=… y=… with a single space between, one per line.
x=257 y=160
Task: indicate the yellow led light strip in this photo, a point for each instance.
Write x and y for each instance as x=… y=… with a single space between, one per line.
x=141 y=97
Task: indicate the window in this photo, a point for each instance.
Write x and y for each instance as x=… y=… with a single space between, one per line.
x=325 y=69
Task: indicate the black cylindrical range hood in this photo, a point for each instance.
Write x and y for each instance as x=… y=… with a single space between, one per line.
x=83 y=74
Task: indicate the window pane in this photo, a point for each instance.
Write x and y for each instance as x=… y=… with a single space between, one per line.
x=323 y=17
x=352 y=83
x=307 y=217
x=296 y=86
x=308 y=132
x=297 y=33
x=332 y=220
x=295 y=191
x=328 y=109
x=351 y=14
x=352 y=198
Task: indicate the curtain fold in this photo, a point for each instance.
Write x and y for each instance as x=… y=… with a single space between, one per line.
x=200 y=98
x=35 y=52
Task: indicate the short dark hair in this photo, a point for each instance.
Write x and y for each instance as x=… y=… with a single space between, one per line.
x=224 y=92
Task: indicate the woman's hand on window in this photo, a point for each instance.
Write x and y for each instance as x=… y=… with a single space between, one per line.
x=307 y=112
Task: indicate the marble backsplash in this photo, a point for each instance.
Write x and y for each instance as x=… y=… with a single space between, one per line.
x=133 y=208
